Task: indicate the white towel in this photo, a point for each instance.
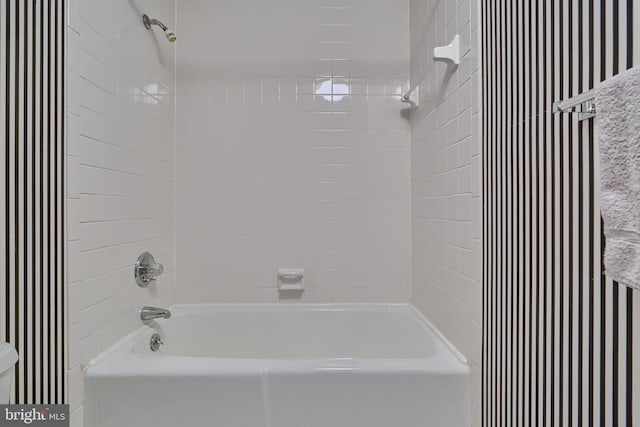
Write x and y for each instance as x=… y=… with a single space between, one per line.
x=618 y=104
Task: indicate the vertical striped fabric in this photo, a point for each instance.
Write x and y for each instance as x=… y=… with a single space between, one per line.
x=32 y=309
x=559 y=346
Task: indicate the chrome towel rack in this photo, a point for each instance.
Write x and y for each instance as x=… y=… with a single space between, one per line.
x=584 y=101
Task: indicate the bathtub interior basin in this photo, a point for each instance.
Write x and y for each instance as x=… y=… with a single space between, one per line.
x=281 y=366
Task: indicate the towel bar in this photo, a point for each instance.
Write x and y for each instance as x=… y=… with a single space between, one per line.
x=586 y=102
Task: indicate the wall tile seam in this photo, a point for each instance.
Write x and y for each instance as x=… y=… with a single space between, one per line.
x=110 y=95
x=444 y=198
x=73 y=287
x=105 y=329
x=122 y=78
x=114 y=270
x=122 y=126
x=446 y=148
x=116 y=220
x=467 y=79
x=106 y=67
x=147 y=221
x=454 y=171
x=88 y=196
x=110 y=302
x=445 y=219
x=140 y=219
x=116 y=72
x=114 y=146
x=450 y=122
x=110 y=272
x=455 y=270
x=114 y=170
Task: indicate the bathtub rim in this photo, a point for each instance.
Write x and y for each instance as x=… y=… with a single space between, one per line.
x=122 y=345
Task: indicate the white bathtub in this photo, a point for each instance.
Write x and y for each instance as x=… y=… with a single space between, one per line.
x=281 y=366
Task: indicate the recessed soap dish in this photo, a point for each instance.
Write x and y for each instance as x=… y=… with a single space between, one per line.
x=291 y=279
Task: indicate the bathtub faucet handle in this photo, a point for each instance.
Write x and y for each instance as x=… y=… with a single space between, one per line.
x=156 y=342
x=146 y=270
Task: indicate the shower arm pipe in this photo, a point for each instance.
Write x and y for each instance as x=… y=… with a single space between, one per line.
x=158 y=23
x=148 y=22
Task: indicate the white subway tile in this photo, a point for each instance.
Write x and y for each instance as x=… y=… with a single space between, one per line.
x=119 y=174
x=446 y=178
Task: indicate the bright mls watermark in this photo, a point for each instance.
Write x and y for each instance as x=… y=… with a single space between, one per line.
x=34 y=415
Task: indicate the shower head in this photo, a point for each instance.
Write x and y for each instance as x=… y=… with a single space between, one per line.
x=148 y=22
x=170 y=35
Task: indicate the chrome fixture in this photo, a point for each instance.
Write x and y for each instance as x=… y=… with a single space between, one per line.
x=146 y=270
x=155 y=342
x=584 y=104
x=148 y=22
x=152 y=313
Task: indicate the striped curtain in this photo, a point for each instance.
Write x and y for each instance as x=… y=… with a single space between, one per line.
x=560 y=347
x=32 y=308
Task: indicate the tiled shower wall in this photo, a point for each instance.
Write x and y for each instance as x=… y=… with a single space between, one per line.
x=120 y=166
x=446 y=178
x=292 y=150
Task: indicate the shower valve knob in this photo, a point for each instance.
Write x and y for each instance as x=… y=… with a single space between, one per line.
x=146 y=270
